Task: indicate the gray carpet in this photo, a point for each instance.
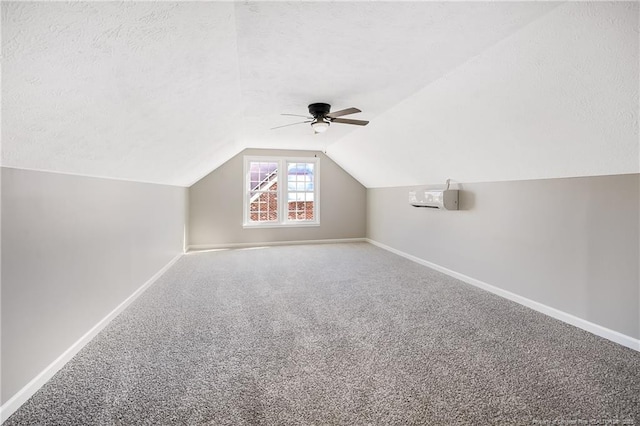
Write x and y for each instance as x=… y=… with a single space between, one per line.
x=334 y=334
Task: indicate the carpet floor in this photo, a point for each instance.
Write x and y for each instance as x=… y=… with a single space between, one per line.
x=335 y=334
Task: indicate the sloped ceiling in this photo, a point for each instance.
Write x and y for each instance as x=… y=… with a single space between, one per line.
x=166 y=92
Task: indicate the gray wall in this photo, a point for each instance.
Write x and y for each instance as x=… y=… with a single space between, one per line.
x=571 y=244
x=74 y=248
x=215 y=205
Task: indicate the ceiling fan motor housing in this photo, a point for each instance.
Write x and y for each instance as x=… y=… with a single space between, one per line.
x=319 y=110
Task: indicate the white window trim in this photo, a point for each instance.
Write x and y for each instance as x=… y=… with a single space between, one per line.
x=283 y=220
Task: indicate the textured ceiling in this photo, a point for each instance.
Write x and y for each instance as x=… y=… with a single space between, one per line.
x=166 y=92
x=559 y=98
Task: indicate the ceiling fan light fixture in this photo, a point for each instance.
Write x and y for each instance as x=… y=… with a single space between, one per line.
x=320 y=117
x=320 y=125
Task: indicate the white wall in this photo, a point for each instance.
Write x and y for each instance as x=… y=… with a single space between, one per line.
x=73 y=249
x=570 y=244
x=216 y=209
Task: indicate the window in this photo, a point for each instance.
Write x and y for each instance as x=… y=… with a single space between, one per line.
x=281 y=191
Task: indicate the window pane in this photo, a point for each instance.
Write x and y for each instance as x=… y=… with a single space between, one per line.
x=262 y=174
x=300 y=210
x=263 y=206
x=300 y=176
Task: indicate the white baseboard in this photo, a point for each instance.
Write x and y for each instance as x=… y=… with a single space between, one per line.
x=9 y=407
x=596 y=329
x=204 y=247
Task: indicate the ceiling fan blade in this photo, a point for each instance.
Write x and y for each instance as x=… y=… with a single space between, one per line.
x=350 y=121
x=298 y=115
x=292 y=124
x=342 y=112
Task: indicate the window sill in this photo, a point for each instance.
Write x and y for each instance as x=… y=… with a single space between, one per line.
x=280 y=225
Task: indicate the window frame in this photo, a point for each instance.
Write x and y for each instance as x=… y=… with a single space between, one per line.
x=282 y=192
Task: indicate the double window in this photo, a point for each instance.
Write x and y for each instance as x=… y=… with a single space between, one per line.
x=281 y=191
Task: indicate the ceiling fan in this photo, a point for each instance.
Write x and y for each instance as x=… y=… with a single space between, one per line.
x=321 y=117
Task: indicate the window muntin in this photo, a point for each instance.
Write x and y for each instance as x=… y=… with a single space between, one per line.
x=281 y=191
